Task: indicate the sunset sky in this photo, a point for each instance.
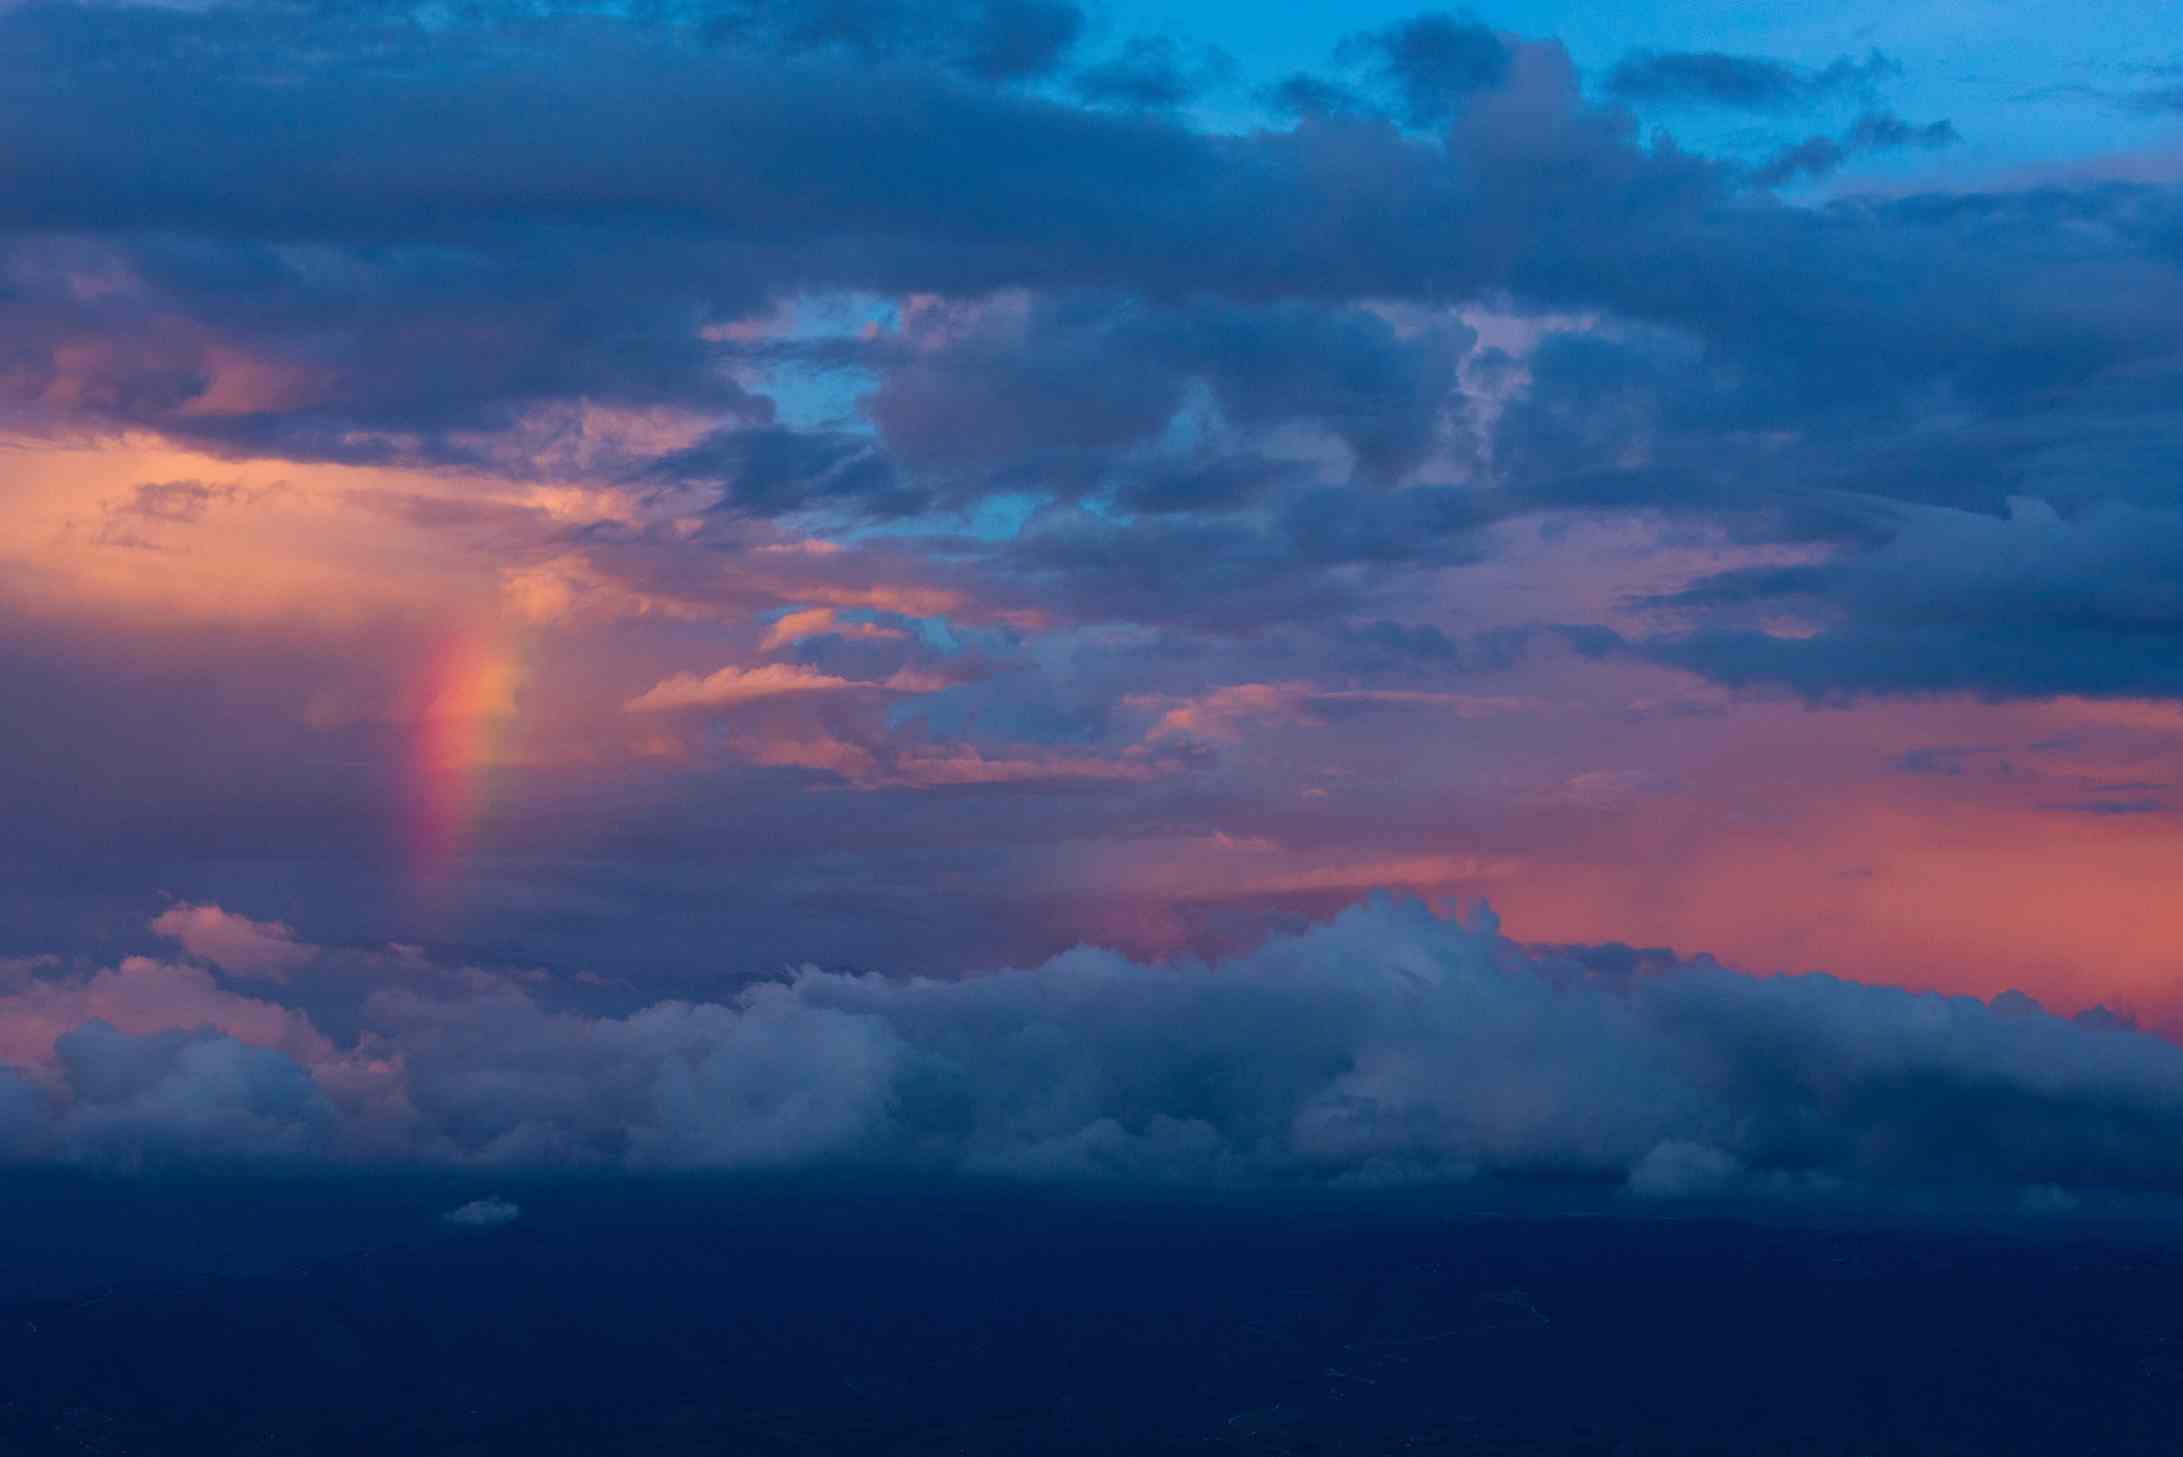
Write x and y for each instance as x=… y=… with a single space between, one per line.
x=523 y=526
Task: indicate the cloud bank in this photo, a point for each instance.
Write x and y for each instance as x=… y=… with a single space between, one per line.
x=1388 y=1046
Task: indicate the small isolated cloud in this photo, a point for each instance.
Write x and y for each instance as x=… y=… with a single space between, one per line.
x=1680 y=1169
x=261 y=950
x=488 y=1213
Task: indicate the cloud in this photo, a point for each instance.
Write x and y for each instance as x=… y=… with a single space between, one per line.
x=1219 y=715
x=181 y=282
x=1875 y=131
x=1303 y=95
x=1678 y=1169
x=2157 y=101
x=264 y=950
x=141 y=997
x=1431 y=63
x=770 y=471
x=178 y=1096
x=2029 y=603
x=1389 y=1043
x=733 y=685
x=794 y=627
x=1743 y=83
x=1093 y=403
x=992 y=40
x=491 y=1212
x=1154 y=72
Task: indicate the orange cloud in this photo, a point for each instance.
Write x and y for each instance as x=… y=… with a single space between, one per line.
x=817 y=621
x=266 y=950
x=142 y=996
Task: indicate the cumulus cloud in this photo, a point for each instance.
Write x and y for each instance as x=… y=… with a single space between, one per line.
x=1677 y=1168
x=184 y=1096
x=139 y=997
x=265 y=950
x=490 y=1212
x=1388 y=1044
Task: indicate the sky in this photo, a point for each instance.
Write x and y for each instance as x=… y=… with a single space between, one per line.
x=1175 y=593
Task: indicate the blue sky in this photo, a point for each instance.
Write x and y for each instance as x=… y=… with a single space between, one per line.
x=2019 y=80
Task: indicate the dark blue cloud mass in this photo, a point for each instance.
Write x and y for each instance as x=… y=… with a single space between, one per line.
x=1389 y=1047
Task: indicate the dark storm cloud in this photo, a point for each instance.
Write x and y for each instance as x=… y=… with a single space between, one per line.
x=417 y=246
x=1073 y=384
x=1303 y=554
x=1743 y=83
x=2026 y=605
x=638 y=136
x=1219 y=484
x=392 y=347
x=359 y=353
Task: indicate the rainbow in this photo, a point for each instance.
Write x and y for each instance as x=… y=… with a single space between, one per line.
x=465 y=703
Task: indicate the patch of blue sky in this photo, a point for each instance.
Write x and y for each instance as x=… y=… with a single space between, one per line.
x=1990 y=66
x=806 y=393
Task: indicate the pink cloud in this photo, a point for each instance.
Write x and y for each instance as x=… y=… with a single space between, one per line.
x=142 y=996
x=815 y=621
x=265 y=950
x=733 y=685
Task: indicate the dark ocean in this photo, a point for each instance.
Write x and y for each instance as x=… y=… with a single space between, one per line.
x=330 y=1317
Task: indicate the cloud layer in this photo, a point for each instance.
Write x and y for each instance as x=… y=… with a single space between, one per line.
x=1390 y=1046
